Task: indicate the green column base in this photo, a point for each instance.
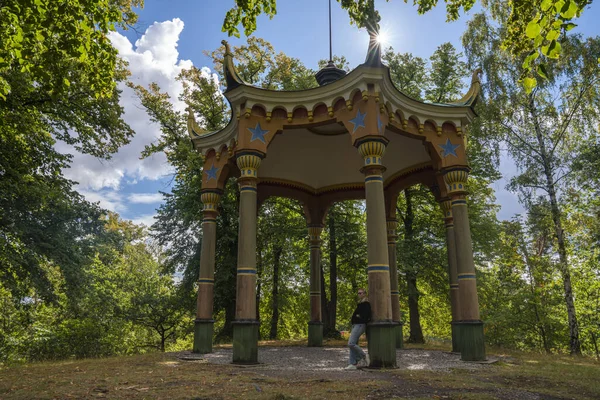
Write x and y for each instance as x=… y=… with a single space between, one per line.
x=455 y=337
x=245 y=342
x=382 y=344
x=315 y=334
x=399 y=335
x=472 y=345
x=203 y=335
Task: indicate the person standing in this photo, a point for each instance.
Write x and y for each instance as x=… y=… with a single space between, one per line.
x=360 y=318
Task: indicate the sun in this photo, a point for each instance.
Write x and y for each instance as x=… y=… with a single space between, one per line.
x=383 y=38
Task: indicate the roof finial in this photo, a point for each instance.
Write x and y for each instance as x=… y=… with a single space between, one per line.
x=232 y=78
x=471 y=97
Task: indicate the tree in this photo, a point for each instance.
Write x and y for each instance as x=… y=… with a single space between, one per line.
x=445 y=77
x=439 y=83
x=58 y=76
x=257 y=64
x=533 y=27
x=544 y=129
x=409 y=73
x=52 y=42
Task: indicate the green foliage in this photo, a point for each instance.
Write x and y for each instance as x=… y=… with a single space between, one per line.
x=283 y=251
x=52 y=42
x=409 y=73
x=339 y=62
x=123 y=303
x=534 y=27
x=259 y=65
x=548 y=132
x=58 y=75
x=447 y=73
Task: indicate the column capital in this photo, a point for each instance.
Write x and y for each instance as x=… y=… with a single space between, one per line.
x=446 y=206
x=392 y=226
x=210 y=199
x=371 y=148
x=248 y=162
x=314 y=233
x=456 y=179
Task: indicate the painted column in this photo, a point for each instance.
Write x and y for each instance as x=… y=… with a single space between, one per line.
x=472 y=346
x=203 y=327
x=382 y=340
x=446 y=206
x=315 y=325
x=245 y=326
x=392 y=237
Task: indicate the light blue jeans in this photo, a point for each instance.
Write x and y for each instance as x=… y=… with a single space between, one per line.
x=356 y=353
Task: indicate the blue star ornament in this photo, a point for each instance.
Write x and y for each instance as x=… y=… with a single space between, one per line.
x=211 y=173
x=449 y=148
x=258 y=133
x=358 y=121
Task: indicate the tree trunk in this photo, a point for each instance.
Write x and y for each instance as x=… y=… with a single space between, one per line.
x=277 y=250
x=538 y=322
x=162 y=341
x=324 y=310
x=332 y=304
x=416 y=332
x=595 y=342
x=574 y=343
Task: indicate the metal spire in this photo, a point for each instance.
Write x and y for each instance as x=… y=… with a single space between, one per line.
x=330 y=47
x=329 y=73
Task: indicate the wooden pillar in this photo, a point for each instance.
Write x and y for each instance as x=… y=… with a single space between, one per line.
x=472 y=346
x=382 y=341
x=392 y=237
x=446 y=206
x=204 y=324
x=315 y=325
x=245 y=326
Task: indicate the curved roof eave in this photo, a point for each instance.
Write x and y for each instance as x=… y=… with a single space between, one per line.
x=204 y=141
x=359 y=78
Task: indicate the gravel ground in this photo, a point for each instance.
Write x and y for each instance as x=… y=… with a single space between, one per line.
x=332 y=359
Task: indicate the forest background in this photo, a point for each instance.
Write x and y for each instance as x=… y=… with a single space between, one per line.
x=77 y=280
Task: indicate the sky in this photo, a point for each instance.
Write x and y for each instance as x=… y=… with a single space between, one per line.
x=172 y=35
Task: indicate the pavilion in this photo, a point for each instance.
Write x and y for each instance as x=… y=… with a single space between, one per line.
x=356 y=136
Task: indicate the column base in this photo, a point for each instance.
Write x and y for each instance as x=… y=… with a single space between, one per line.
x=315 y=334
x=382 y=344
x=472 y=345
x=399 y=335
x=245 y=341
x=203 y=335
x=455 y=337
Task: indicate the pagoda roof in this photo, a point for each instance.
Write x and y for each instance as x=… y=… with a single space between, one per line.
x=245 y=98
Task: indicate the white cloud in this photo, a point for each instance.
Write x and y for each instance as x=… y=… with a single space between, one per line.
x=109 y=199
x=154 y=59
x=147 y=219
x=145 y=198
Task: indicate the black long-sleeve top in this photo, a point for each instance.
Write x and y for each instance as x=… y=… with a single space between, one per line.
x=362 y=314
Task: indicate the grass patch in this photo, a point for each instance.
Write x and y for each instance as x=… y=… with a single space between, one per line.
x=552 y=376
x=161 y=376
